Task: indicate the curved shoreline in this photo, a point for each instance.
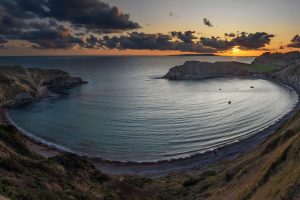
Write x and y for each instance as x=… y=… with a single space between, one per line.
x=159 y=168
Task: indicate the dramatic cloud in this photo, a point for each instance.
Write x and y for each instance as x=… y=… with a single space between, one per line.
x=92 y=42
x=251 y=41
x=44 y=22
x=229 y=34
x=178 y=41
x=9 y=24
x=295 y=42
x=51 y=38
x=216 y=43
x=52 y=24
x=246 y=41
x=89 y=14
x=207 y=22
x=137 y=40
x=187 y=36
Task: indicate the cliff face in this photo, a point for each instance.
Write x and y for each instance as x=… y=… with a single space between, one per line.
x=282 y=67
x=290 y=74
x=279 y=59
x=20 y=85
x=200 y=70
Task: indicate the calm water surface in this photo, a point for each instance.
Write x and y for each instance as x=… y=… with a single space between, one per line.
x=125 y=114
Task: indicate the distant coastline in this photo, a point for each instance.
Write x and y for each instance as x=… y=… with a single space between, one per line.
x=199 y=54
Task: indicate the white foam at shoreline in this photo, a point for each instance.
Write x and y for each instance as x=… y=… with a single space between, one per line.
x=35 y=138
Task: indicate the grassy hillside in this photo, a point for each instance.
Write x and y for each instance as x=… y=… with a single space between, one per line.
x=261 y=68
x=25 y=175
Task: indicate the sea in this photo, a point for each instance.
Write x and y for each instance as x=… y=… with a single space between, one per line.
x=126 y=112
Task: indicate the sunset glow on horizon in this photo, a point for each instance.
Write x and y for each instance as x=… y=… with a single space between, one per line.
x=134 y=27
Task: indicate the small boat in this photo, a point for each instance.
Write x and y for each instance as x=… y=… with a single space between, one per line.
x=251 y=86
x=220 y=89
x=229 y=102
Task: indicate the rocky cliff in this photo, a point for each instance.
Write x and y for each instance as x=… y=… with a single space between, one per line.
x=290 y=74
x=278 y=59
x=200 y=70
x=20 y=85
x=280 y=66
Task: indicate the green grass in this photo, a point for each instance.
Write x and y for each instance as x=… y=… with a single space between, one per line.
x=261 y=68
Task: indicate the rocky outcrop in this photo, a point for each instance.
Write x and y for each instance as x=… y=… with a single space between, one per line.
x=20 y=85
x=290 y=75
x=268 y=65
x=201 y=70
x=278 y=59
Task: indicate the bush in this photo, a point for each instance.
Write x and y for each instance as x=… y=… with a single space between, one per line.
x=138 y=181
x=11 y=165
x=190 y=182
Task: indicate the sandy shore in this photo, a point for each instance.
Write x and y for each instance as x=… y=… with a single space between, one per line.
x=153 y=169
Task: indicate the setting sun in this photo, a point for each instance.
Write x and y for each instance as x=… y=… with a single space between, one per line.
x=235 y=50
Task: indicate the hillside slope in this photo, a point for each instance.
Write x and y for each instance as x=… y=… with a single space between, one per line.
x=271 y=171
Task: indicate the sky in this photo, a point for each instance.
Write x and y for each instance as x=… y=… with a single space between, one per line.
x=148 y=27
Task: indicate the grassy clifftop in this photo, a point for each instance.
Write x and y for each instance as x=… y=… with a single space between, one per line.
x=264 y=64
x=20 y=85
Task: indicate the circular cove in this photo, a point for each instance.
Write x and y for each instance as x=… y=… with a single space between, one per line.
x=155 y=119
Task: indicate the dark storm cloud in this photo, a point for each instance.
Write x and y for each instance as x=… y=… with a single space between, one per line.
x=23 y=9
x=207 y=22
x=40 y=21
x=216 y=43
x=51 y=38
x=251 y=41
x=187 y=36
x=295 y=42
x=66 y=23
x=179 y=41
x=229 y=34
x=90 y=14
x=137 y=40
x=9 y=24
x=246 y=41
x=92 y=42
x=43 y=25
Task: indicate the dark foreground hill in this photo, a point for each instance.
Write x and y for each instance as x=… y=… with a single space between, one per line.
x=270 y=171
